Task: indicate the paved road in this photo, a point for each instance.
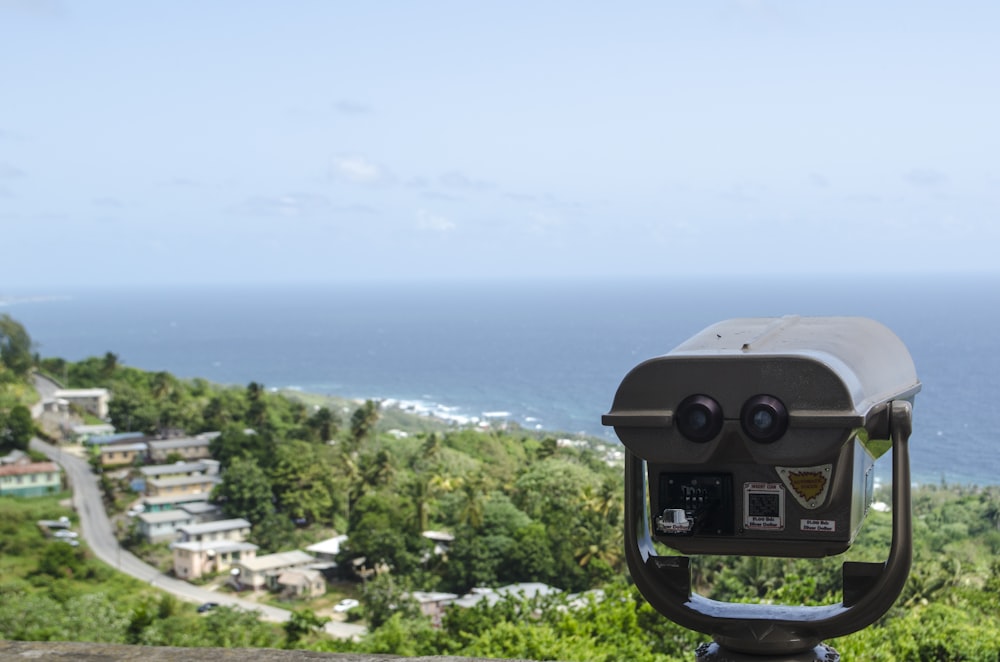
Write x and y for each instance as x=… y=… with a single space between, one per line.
x=96 y=529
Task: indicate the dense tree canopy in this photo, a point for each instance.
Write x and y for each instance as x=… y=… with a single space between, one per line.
x=16 y=428
x=15 y=349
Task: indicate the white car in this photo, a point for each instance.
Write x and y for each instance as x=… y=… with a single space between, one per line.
x=346 y=604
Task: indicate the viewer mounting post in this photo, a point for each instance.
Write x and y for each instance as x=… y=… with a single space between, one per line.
x=758 y=437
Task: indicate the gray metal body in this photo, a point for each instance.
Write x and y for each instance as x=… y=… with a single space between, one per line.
x=848 y=386
x=811 y=488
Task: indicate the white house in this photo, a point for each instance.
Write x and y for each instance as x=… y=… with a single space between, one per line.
x=162 y=526
x=93 y=400
x=189 y=448
x=194 y=559
x=226 y=529
x=263 y=571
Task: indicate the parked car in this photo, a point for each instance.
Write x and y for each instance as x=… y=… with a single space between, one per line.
x=208 y=606
x=346 y=604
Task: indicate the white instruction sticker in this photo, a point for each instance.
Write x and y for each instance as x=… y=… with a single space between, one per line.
x=764 y=506
x=824 y=525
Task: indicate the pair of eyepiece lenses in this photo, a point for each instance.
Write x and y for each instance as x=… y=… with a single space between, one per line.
x=699 y=418
x=764 y=418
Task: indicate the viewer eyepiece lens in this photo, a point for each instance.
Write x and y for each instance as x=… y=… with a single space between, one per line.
x=764 y=418
x=699 y=418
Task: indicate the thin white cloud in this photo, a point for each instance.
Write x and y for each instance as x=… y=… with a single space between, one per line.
x=818 y=180
x=460 y=180
x=108 y=202
x=44 y=9
x=8 y=171
x=433 y=222
x=287 y=206
x=183 y=182
x=543 y=221
x=351 y=107
x=925 y=177
x=358 y=169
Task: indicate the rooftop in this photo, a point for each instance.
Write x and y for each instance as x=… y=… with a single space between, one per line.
x=116 y=438
x=200 y=508
x=174 y=499
x=122 y=447
x=165 y=516
x=275 y=561
x=492 y=596
x=28 y=469
x=176 y=468
x=217 y=546
x=81 y=393
x=182 y=442
x=215 y=527
x=183 y=480
x=330 y=546
x=299 y=577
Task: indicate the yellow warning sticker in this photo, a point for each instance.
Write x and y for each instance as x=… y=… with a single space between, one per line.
x=809 y=485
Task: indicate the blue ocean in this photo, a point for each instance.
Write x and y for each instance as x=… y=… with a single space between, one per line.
x=548 y=355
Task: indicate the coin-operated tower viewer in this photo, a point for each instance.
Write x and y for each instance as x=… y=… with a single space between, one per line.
x=758 y=437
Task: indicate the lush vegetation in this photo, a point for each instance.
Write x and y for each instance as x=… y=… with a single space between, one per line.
x=16 y=362
x=52 y=591
x=521 y=508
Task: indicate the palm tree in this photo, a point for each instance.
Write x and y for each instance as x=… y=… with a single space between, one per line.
x=473 y=509
x=257 y=409
x=162 y=386
x=109 y=364
x=419 y=492
x=363 y=421
x=380 y=471
x=325 y=423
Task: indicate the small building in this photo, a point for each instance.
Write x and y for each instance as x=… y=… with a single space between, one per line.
x=199 y=468
x=263 y=571
x=16 y=456
x=194 y=559
x=29 y=479
x=204 y=511
x=115 y=438
x=188 y=448
x=433 y=604
x=525 y=590
x=224 y=529
x=170 y=501
x=93 y=400
x=122 y=454
x=327 y=550
x=175 y=485
x=442 y=541
x=162 y=526
x=301 y=583
x=82 y=433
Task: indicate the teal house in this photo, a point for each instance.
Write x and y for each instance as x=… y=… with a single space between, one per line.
x=28 y=479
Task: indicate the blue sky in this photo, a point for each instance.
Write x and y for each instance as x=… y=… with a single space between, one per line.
x=190 y=142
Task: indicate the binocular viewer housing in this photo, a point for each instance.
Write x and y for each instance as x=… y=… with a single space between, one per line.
x=759 y=435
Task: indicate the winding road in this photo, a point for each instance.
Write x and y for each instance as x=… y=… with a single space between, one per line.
x=96 y=529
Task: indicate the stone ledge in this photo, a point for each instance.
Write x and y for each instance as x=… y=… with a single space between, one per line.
x=90 y=652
